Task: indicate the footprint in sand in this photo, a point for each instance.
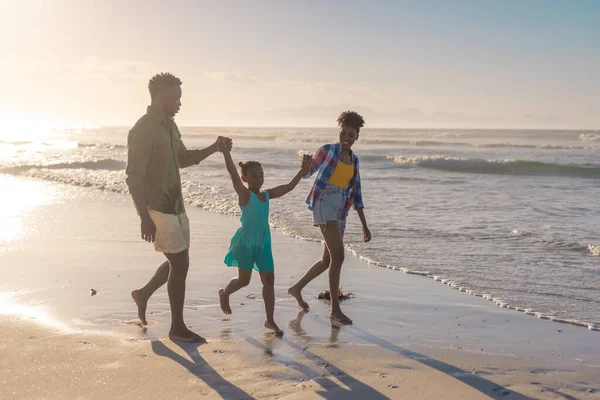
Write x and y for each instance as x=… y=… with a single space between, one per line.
x=136 y=322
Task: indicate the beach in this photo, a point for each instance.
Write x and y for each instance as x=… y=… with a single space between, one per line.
x=412 y=337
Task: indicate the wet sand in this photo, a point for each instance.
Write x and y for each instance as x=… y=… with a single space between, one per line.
x=412 y=338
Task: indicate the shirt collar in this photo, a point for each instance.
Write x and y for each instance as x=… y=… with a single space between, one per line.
x=151 y=112
x=338 y=150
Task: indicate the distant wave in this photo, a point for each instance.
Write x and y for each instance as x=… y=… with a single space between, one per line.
x=594 y=250
x=590 y=137
x=101 y=145
x=103 y=164
x=499 y=167
x=63 y=144
x=434 y=143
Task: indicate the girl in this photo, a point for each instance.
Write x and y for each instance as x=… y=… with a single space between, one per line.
x=336 y=189
x=250 y=247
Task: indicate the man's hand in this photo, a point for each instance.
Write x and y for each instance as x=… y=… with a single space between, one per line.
x=366 y=235
x=223 y=144
x=306 y=160
x=148 y=229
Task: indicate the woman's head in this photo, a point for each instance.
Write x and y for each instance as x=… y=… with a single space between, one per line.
x=349 y=123
x=252 y=174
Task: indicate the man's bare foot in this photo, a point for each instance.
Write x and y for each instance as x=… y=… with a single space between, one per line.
x=340 y=318
x=273 y=326
x=224 y=300
x=298 y=296
x=186 y=336
x=141 y=303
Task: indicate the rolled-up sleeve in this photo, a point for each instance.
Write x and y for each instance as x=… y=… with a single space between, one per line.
x=186 y=157
x=317 y=161
x=139 y=149
x=358 y=201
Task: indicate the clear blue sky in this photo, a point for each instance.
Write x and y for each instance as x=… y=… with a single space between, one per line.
x=478 y=62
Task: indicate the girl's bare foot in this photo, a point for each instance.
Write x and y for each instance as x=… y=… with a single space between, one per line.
x=185 y=335
x=273 y=326
x=224 y=300
x=141 y=303
x=298 y=296
x=340 y=318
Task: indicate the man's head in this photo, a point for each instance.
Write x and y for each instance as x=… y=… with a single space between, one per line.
x=349 y=123
x=165 y=91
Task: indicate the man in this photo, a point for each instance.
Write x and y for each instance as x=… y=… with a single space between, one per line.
x=155 y=155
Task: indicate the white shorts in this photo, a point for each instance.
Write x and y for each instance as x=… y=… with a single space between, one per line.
x=172 y=232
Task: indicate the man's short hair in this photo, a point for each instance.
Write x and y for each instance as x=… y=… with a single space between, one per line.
x=159 y=82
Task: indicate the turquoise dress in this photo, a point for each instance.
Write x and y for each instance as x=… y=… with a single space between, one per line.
x=250 y=247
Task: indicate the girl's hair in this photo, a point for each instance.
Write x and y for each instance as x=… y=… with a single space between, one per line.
x=246 y=166
x=351 y=118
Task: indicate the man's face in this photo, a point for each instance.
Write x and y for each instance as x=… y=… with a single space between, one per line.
x=170 y=99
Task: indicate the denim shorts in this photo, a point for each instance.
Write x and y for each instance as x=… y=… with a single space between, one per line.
x=330 y=206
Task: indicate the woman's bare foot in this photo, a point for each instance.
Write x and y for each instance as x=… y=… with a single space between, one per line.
x=185 y=335
x=273 y=326
x=224 y=300
x=141 y=303
x=340 y=318
x=298 y=296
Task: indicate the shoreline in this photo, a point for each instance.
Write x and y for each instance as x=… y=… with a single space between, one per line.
x=448 y=281
x=464 y=289
x=410 y=339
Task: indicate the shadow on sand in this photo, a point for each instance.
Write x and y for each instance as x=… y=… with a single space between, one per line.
x=201 y=369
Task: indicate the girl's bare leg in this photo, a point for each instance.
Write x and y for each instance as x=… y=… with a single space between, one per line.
x=242 y=280
x=268 y=292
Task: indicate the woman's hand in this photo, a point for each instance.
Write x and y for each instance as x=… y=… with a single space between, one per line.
x=366 y=234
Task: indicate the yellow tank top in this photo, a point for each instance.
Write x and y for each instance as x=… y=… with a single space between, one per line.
x=342 y=175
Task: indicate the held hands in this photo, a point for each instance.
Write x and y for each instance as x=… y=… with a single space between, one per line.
x=223 y=144
x=306 y=160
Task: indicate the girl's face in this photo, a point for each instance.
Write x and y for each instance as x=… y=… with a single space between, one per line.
x=254 y=177
x=348 y=136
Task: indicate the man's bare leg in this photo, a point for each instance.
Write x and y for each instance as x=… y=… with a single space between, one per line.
x=141 y=296
x=179 y=263
x=317 y=269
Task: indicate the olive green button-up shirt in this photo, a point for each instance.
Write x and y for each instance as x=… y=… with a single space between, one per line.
x=155 y=153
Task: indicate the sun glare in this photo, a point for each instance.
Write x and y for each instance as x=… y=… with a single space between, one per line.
x=24 y=127
x=19 y=200
x=8 y=306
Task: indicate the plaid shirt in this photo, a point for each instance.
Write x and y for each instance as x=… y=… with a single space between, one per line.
x=325 y=160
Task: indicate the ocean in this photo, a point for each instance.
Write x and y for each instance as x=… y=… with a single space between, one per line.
x=509 y=215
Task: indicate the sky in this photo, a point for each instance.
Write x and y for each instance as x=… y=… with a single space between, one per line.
x=455 y=64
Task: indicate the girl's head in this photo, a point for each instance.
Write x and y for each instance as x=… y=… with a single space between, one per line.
x=252 y=174
x=349 y=123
